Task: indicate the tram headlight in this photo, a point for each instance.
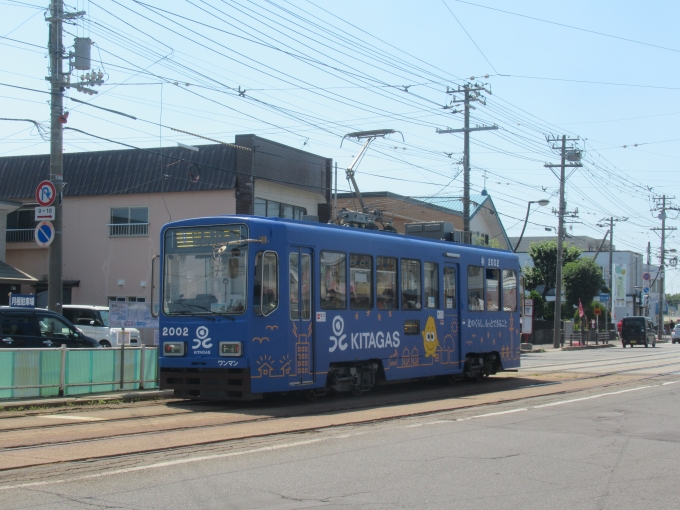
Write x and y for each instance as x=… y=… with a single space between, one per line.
x=231 y=349
x=174 y=348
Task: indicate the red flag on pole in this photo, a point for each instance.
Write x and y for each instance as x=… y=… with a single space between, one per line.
x=580 y=309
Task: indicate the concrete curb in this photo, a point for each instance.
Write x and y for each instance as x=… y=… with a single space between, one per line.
x=12 y=404
x=580 y=347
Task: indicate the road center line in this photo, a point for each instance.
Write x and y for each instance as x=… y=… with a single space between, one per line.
x=165 y=464
x=589 y=398
x=67 y=417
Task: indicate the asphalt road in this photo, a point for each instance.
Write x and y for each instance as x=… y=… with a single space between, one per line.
x=612 y=446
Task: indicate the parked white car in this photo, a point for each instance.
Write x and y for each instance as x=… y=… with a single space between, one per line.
x=93 y=321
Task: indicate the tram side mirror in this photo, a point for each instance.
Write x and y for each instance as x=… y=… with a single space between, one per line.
x=233 y=267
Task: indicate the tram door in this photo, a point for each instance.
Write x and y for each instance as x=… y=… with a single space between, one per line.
x=452 y=350
x=301 y=334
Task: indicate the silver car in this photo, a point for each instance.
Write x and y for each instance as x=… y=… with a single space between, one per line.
x=675 y=334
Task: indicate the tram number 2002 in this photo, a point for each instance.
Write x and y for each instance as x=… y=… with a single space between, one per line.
x=175 y=331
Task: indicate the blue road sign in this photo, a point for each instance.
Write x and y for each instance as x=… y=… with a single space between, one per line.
x=44 y=234
x=22 y=300
x=646 y=290
x=604 y=298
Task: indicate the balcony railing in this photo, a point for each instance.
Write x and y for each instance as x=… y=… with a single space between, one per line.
x=20 y=235
x=128 y=229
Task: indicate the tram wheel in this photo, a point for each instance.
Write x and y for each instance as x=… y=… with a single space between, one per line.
x=479 y=376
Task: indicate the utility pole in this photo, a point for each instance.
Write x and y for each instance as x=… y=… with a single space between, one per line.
x=56 y=51
x=573 y=155
x=470 y=93
x=662 y=257
x=649 y=263
x=601 y=223
x=59 y=82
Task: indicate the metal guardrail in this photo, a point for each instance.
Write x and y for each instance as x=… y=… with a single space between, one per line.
x=128 y=229
x=55 y=370
x=20 y=235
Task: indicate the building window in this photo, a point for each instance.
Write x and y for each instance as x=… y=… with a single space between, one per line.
x=136 y=299
x=272 y=209
x=115 y=298
x=21 y=226
x=129 y=222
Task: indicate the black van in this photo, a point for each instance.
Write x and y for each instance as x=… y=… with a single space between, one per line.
x=37 y=328
x=637 y=331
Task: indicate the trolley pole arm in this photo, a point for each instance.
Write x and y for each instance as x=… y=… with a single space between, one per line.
x=350 y=173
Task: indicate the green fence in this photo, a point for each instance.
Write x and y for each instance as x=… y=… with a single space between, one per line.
x=50 y=372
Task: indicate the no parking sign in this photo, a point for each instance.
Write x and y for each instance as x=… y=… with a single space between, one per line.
x=44 y=234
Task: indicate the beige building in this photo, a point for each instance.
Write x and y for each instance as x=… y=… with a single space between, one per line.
x=115 y=203
x=484 y=221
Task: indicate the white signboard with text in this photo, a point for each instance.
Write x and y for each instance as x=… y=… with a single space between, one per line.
x=124 y=314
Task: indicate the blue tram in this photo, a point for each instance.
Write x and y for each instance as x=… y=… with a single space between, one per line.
x=253 y=305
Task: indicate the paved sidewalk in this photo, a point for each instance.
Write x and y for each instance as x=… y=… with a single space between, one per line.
x=591 y=345
x=13 y=404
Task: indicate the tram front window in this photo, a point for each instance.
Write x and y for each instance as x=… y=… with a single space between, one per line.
x=205 y=270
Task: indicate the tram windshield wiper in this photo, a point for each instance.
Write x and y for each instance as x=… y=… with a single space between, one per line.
x=193 y=305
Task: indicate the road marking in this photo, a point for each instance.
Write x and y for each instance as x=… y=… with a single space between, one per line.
x=165 y=464
x=493 y=414
x=551 y=404
x=291 y=445
x=67 y=417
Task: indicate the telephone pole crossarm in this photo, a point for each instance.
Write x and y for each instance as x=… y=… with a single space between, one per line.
x=470 y=93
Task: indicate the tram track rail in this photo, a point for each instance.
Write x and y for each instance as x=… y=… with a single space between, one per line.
x=310 y=413
x=338 y=405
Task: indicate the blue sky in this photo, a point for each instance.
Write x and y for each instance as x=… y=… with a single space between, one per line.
x=313 y=71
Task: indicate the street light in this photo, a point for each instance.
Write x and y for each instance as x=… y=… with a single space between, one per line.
x=542 y=203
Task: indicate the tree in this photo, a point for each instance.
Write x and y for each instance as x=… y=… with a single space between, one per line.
x=673 y=299
x=544 y=272
x=478 y=240
x=538 y=304
x=582 y=280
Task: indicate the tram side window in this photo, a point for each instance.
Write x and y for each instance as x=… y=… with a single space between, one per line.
x=450 y=288
x=492 y=291
x=475 y=288
x=386 y=284
x=333 y=280
x=266 y=290
x=299 y=264
x=509 y=290
x=431 y=285
x=410 y=284
x=360 y=282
